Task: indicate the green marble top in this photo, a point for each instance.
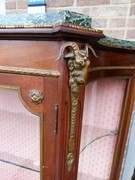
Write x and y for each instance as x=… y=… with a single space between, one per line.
x=117 y=43
x=45 y=19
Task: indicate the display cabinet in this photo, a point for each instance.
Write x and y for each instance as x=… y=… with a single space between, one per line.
x=66 y=99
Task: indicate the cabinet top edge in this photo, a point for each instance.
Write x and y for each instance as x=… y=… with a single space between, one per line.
x=63 y=31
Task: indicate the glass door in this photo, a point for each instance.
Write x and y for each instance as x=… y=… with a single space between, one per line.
x=101 y=117
x=19 y=138
x=128 y=167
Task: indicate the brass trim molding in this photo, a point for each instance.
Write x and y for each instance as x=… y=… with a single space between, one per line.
x=29 y=71
x=53 y=26
x=111 y=68
x=80 y=28
x=77 y=62
x=26 y=26
x=56 y=119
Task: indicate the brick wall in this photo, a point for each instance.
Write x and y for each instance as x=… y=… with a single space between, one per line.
x=115 y=17
x=16 y=6
x=2 y=7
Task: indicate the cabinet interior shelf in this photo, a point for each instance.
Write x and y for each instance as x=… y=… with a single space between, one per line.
x=21 y=166
x=94 y=134
x=19 y=162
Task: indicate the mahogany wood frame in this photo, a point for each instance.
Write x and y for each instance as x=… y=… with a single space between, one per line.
x=38 y=49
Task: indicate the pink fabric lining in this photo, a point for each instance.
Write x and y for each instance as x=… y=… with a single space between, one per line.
x=19 y=138
x=102 y=111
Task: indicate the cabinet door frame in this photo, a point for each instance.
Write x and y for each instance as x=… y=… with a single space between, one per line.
x=47 y=85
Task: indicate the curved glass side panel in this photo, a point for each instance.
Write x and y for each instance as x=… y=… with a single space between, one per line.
x=102 y=112
x=19 y=139
x=128 y=168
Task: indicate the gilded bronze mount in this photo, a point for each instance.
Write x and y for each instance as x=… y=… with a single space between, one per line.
x=78 y=63
x=36 y=96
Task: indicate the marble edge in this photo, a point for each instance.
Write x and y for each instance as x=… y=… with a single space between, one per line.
x=117 y=43
x=46 y=18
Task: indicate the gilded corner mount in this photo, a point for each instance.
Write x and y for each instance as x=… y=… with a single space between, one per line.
x=77 y=62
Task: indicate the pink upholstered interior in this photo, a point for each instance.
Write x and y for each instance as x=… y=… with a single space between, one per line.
x=102 y=111
x=19 y=139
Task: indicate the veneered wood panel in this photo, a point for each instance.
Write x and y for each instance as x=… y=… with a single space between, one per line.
x=29 y=54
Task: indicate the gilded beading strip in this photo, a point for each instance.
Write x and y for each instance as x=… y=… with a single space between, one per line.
x=26 y=26
x=79 y=27
x=52 y=26
x=29 y=71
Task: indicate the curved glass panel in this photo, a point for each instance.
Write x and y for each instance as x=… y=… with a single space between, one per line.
x=128 y=168
x=19 y=139
x=102 y=112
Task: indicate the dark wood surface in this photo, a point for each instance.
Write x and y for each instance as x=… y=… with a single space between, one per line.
x=52 y=34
